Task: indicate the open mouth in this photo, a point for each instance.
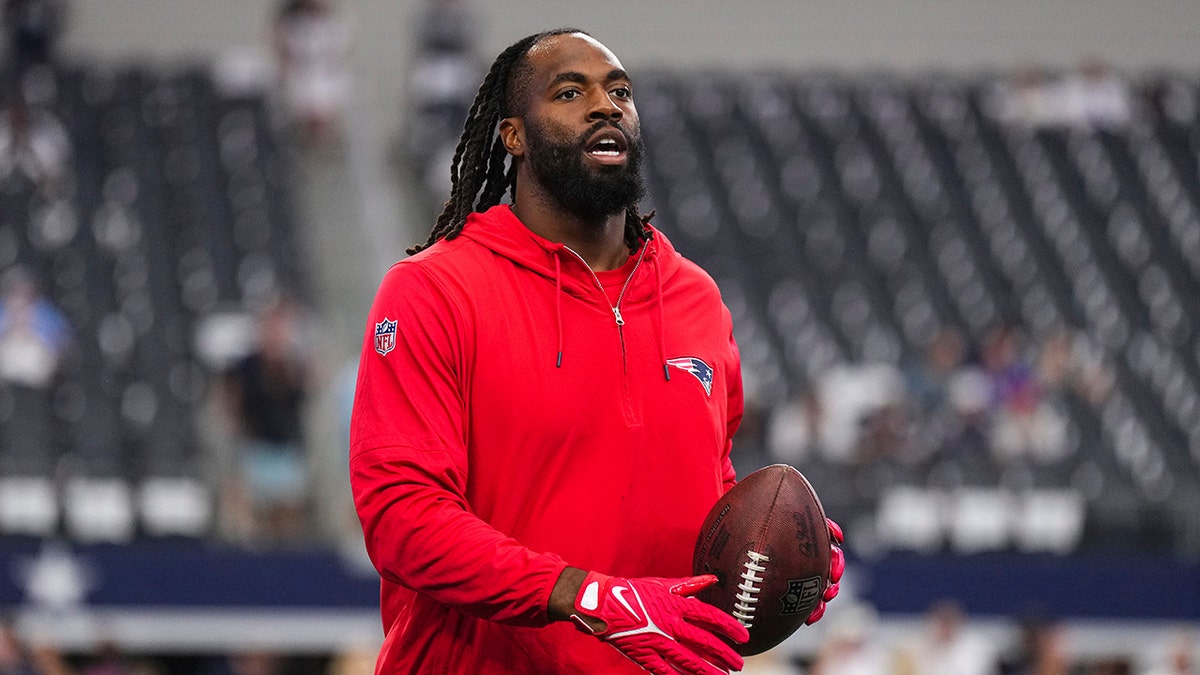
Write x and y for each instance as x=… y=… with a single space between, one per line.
x=605 y=148
x=608 y=147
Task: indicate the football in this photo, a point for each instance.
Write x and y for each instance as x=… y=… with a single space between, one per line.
x=768 y=545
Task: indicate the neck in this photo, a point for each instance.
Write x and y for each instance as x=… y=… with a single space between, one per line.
x=599 y=241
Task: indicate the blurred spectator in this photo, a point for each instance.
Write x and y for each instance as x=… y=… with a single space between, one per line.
x=1023 y=424
x=1093 y=95
x=930 y=384
x=13 y=658
x=441 y=87
x=851 y=394
x=1040 y=650
x=948 y=400
x=771 y=662
x=358 y=660
x=849 y=647
x=965 y=439
x=17 y=658
x=33 y=333
x=1178 y=657
x=33 y=27
x=1029 y=98
x=797 y=429
x=1010 y=375
x=929 y=380
x=108 y=660
x=35 y=145
x=247 y=663
x=312 y=45
x=948 y=646
x=886 y=433
x=1116 y=665
x=265 y=394
x=1069 y=362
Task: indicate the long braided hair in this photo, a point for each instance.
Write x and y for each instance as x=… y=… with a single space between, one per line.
x=478 y=176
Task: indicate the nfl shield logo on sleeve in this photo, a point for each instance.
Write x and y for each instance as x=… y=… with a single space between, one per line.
x=385 y=336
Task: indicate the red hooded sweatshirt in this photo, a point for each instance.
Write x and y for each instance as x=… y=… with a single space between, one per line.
x=506 y=425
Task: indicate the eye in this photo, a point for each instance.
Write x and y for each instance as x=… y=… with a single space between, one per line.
x=622 y=92
x=569 y=94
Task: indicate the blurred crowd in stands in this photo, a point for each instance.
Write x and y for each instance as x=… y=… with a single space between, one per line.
x=948 y=644
x=999 y=405
x=261 y=375
x=19 y=656
x=943 y=642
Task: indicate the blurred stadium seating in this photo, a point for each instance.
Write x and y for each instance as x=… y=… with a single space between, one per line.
x=177 y=209
x=848 y=218
x=845 y=220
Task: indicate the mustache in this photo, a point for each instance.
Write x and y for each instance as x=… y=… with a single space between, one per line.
x=630 y=139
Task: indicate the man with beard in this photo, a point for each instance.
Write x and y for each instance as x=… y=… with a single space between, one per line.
x=546 y=400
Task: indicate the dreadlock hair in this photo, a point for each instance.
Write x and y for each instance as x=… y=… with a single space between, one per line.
x=478 y=177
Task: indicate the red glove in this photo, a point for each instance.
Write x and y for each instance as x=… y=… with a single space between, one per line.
x=837 y=565
x=654 y=624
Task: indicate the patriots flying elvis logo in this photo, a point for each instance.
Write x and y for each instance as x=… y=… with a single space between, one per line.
x=385 y=336
x=695 y=366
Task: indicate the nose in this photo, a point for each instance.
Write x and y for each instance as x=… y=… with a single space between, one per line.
x=604 y=108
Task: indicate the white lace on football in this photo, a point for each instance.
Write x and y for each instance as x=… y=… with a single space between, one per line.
x=743 y=610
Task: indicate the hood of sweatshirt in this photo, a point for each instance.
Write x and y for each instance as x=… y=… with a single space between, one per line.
x=500 y=231
x=656 y=262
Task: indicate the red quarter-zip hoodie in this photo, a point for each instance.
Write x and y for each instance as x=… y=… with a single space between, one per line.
x=517 y=413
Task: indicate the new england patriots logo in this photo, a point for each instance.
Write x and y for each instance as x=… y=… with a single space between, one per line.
x=385 y=336
x=695 y=366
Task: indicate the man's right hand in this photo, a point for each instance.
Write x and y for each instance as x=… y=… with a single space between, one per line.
x=837 y=565
x=655 y=624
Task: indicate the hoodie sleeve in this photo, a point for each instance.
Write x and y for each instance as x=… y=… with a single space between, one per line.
x=408 y=463
x=735 y=405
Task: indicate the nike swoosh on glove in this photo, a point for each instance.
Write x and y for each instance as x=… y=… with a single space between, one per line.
x=653 y=623
x=837 y=565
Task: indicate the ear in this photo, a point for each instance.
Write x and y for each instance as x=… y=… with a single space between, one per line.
x=512 y=134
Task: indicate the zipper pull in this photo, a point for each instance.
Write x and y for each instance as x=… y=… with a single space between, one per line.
x=617 y=314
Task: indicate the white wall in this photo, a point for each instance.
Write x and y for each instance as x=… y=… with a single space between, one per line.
x=860 y=34
x=855 y=34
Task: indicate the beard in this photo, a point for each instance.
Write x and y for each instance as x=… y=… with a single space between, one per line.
x=591 y=193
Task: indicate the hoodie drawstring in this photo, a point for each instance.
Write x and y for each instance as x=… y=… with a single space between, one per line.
x=658 y=293
x=558 y=306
